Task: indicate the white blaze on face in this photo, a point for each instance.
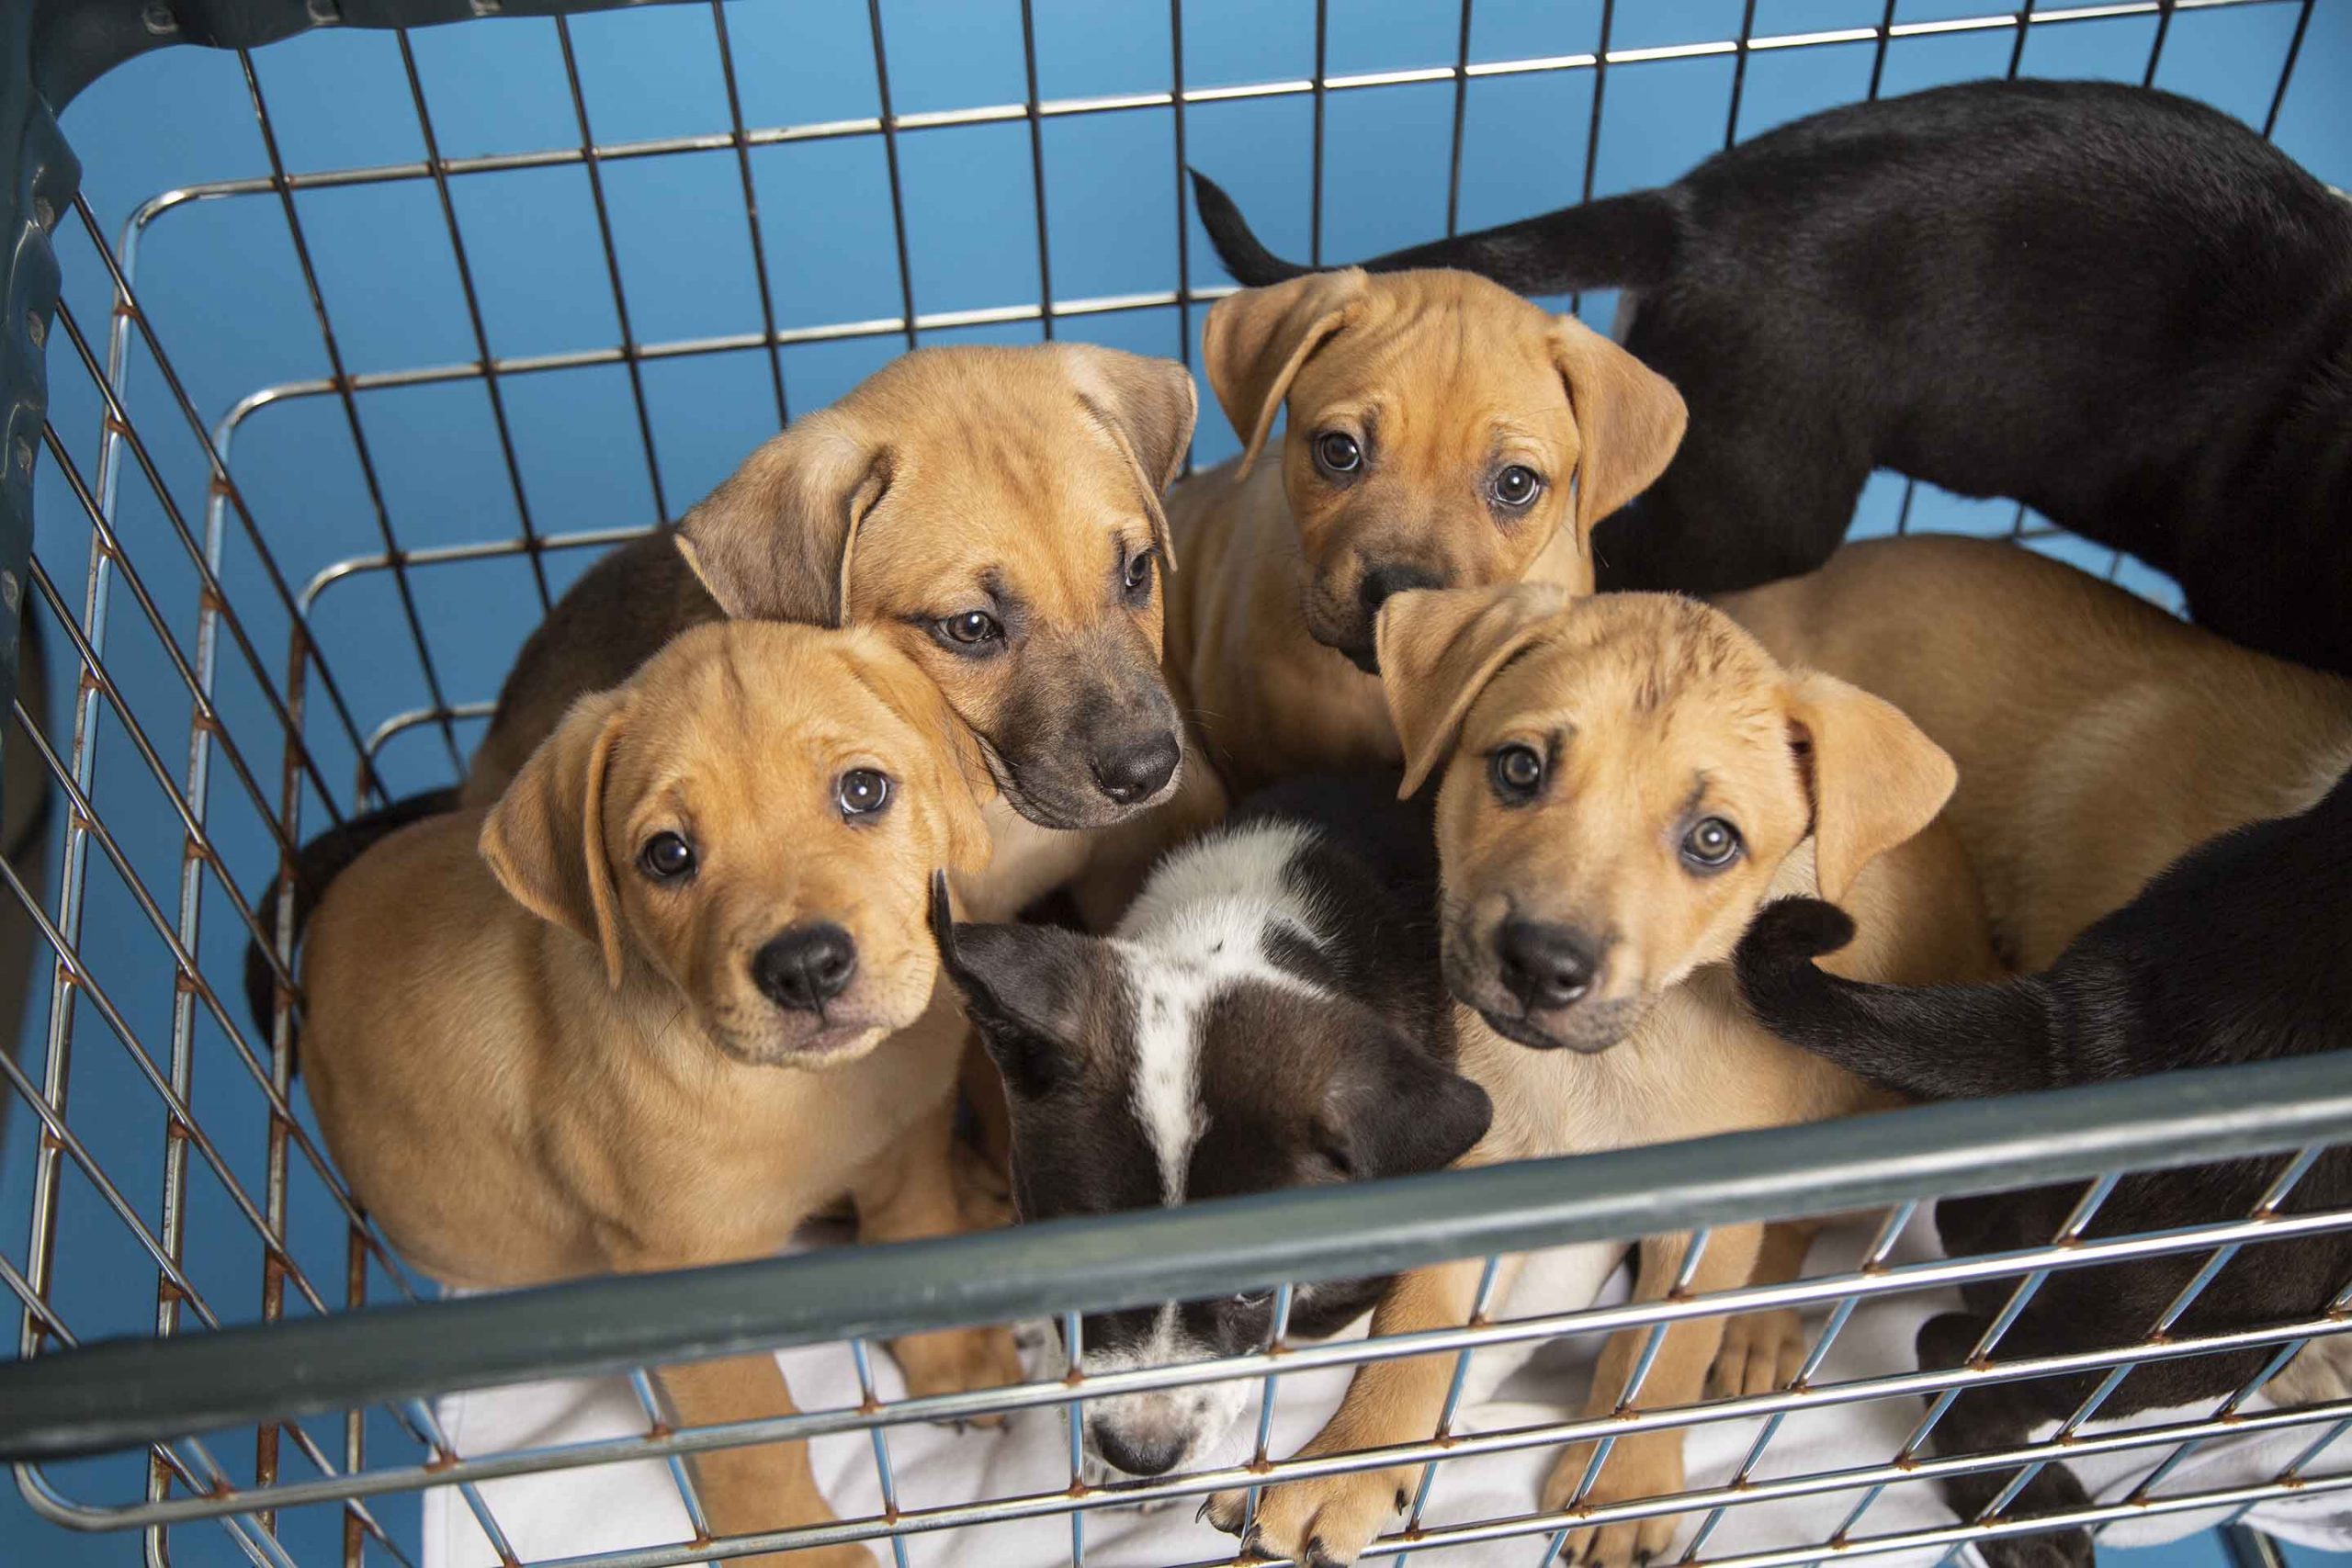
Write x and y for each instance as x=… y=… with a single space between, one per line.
x=1199 y=928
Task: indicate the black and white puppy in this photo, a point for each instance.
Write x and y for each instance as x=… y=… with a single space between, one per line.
x=1269 y=1014
x=2235 y=954
x=2119 y=306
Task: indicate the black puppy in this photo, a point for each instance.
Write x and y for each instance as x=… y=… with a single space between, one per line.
x=2119 y=306
x=1268 y=1015
x=2235 y=954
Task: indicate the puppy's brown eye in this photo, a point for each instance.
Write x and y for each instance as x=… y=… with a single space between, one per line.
x=1337 y=453
x=861 y=792
x=666 y=857
x=1518 y=486
x=1711 y=844
x=1137 y=576
x=1517 y=773
x=971 y=628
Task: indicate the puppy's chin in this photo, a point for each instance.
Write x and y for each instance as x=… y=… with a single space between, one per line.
x=1540 y=1031
x=1346 y=632
x=1052 y=796
x=800 y=1040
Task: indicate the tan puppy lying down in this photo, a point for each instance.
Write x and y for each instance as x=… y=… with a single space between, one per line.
x=2099 y=738
x=1443 y=432
x=668 y=997
x=1626 y=779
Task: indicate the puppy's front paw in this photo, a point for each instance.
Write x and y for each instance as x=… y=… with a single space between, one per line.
x=1644 y=1464
x=957 y=1360
x=1323 y=1523
x=1761 y=1351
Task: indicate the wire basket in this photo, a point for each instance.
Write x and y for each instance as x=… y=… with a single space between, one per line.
x=261 y=589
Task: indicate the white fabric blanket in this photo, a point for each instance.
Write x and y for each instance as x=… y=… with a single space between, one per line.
x=636 y=1504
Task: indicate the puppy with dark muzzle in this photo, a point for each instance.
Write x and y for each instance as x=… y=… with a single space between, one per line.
x=1268 y=1015
x=1625 y=779
x=670 y=996
x=1443 y=433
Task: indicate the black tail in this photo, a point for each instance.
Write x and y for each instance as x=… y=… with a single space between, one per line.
x=320 y=861
x=1620 y=241
x=1931 y=1041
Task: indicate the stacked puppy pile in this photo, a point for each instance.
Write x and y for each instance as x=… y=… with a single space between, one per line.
x=669 y=975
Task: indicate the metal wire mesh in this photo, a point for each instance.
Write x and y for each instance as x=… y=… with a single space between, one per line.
x=210 y=592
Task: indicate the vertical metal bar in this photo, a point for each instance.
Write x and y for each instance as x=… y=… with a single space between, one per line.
x=1481 y=1308
x=474 y=320
x=1461 y=110
x=866 y=1401
x=1183 y=230
x=890 y=162
x=1890 y=1231
x=2287 y=70
x=1037 y=169
x=1276 y=1332
x=1314 y=194
x=1074 y=1415
x=2016 y=45
x=405 y=589
x=2156 y=50
x=422 y=1420
x=1643 y=1362
x=629 y=357
x=750 y=209
x=1740 y=73
x=1878 y=59
x=641 y=1384
x=1592 y=134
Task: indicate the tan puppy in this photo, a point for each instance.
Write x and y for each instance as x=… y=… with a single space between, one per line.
x=2097 y=737
x=679 y=999
x=994 y=512
x=1443 y=433
x=1626 y=779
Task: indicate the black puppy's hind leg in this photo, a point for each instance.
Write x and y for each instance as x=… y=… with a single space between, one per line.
x=1989 y=1417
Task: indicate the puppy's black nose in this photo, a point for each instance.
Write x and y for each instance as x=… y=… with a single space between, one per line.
x=1135 y=1455
x=1381 y=581
x=1544 y=965
x=1137 y=771
x=805 y=967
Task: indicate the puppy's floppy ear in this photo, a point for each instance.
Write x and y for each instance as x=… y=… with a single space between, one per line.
x=545 y=839
x=1256 y=340
x=1025 y=988
x=1876 y=778
x=956 y=779
x=1438 y=646
x=774 y=541
x=1629 y=420
x=1389 y=1109
x=1149 y=407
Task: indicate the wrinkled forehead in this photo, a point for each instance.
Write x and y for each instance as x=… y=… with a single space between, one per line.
x=758 y=725
x=1437 y=350
x=1610 y=694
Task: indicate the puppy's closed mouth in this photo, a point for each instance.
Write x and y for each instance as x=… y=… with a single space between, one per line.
x=1523 y=1030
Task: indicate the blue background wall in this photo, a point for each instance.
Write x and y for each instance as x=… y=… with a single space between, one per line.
x=221 y=283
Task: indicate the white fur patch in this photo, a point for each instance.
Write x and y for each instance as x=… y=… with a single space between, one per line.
x=1200 y=926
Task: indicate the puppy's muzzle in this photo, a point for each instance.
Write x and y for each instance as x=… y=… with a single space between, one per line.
x=1138 y=769
x=805 y=967
x=1376 y=587
x=1546 y=966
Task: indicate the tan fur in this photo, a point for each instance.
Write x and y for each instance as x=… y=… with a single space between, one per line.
x=1647 y=695
x=568 y=1068
x=1442 y=378
x=2099 y=738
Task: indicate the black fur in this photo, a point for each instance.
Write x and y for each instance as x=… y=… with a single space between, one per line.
x=2235 y=954
x=2119 y=306
x=320 y=861
x=1351 y=1080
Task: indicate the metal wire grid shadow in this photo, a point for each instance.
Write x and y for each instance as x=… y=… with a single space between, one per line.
x=336 y=1405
